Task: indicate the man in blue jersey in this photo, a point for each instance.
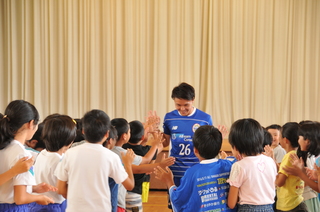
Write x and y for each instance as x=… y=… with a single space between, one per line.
x=179 y=126
x=204 y=186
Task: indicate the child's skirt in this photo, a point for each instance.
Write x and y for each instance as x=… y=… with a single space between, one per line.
x=34 y=207
x=5 y=207
x=255 y=208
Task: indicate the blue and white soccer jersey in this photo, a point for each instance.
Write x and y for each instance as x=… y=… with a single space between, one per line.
x=181 y=130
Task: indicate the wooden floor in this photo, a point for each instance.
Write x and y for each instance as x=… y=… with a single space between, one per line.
x=157 y=202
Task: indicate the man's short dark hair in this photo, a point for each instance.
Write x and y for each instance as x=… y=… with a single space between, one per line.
x=183 y=91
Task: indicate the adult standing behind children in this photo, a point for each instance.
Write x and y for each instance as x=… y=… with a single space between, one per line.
x=179 y=126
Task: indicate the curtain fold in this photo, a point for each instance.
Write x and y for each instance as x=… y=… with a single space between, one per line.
x=245 y=58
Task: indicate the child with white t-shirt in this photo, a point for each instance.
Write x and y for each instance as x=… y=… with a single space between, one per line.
x=252 y=177
x=84 y=170
x=58 y=133
x=19 y=123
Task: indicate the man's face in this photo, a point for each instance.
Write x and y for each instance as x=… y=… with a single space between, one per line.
x=184 y=106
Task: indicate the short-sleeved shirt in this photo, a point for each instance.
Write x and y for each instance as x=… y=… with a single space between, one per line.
x=121 y=189
x=86 y=168
x=8 y=157
x=255 y=177
x=45 y=167
x=279 y=153
x=290 y=194
x=181 y=130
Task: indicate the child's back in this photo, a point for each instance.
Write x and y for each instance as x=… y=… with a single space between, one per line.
x=84 y=171
x=204 y=186
x=252 y=178
x=58 y=134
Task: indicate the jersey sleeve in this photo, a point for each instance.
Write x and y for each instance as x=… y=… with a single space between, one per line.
x=61 y=172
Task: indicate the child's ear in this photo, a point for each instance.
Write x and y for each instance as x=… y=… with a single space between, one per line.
x=196 y=151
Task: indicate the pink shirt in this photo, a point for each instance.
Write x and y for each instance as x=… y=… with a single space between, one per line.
x=255 y=177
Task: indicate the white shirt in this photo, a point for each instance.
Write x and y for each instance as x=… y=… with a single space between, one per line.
x=8 y=157
x=122 y=191
x=86 y=168
x=44 y=168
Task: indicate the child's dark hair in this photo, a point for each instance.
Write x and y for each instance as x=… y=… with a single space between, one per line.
x=183 y=91
x=311 y=131
x=291 y=131
x=95 y=124
x=207 y=140
x=274 y=126
x=137 y=131
x=267 y=138
x=37 y=136
x=112 y=135
x=17 y=113
x=246 y=135
x=121 y=125
x=58 y=132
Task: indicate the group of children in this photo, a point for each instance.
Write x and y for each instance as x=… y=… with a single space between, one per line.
x=107 y=172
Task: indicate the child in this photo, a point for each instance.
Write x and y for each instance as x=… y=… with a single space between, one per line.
x=110 y=143
x=84 y=170
x=140 y=164
x=58 y=134
x=133 y=198
x=309 y=137
x=251 y=178
x=203 y=186
x=18 y=125
x=290 y=188
x=278 y=151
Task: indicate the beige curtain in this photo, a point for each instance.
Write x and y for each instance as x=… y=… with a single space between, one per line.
x=245 y=58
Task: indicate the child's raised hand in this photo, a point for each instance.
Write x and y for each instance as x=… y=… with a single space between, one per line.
x=164 y=175
x=127 y=158
x=312 y=174
x=44 y=200
x=223 y=130
x=223 y=155
x=296 y=161
x=23 y=165
x=157 y=138
x=43 y=187
x=152 y=122
x=268 y=151
x=166 y=161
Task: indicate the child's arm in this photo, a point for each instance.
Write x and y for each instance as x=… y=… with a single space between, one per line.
x=127 y=160
x=157 y=140
x=22 y=165
x=281 y=179
x=21 y=196
x=298 y=170
x=145 y=168
x=62 y=188
x=233 y=197
x=165 y=176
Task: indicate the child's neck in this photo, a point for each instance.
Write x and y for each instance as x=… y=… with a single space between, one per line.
x=120 y=142
x=289 y=148
x=135 y=144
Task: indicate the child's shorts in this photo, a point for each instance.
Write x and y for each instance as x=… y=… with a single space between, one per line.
x=255 y=208
x=34 y=207
x=5 y=207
